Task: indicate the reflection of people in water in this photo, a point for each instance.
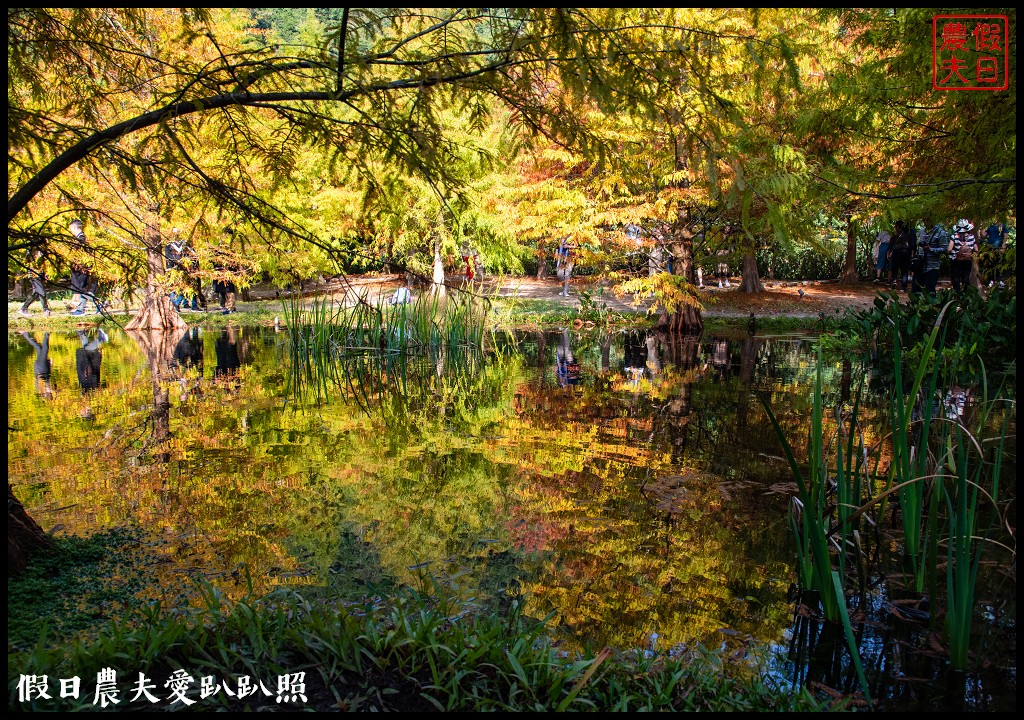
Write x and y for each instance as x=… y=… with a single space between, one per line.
x=720 y=356
x=43 y=365
x=634 y=357
x=188 y=353
x=88 y=359
x=226 y=347
x=954 y=402
x=567 y=369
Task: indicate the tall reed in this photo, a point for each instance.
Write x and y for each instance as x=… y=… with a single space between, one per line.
x=974 y=484
x=363 y=348
x=809 y=523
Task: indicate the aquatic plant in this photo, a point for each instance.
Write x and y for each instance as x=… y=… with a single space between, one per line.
x=978 y=329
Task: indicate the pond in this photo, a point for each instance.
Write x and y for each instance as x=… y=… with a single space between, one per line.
x=628 y=486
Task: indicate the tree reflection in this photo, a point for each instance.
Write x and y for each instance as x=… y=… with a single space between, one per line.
x=158 y=346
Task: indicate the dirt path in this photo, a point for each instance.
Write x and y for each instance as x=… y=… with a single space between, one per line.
x=793 y=299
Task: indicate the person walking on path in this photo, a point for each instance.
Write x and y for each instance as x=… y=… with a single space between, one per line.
x=961 y=251
x=82 y=280
x=37 y=278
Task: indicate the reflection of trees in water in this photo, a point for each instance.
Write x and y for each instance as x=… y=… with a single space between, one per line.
x=158 y=345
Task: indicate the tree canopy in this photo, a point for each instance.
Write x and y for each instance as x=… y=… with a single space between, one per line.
x=328 y=140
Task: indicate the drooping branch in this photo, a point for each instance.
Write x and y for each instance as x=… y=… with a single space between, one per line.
x=82 y=148
x=341 y=49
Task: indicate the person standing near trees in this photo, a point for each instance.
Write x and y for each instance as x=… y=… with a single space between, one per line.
x=961 y=251
x=900 y=253
x=564 y=261
x=995 y=236
x=224 y=284
x=188 y=264
x=932 y=247
x=722 y=270
x=173 y=253
x=881 y=254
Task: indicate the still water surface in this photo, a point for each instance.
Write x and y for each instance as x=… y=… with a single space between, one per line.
x=629 y=487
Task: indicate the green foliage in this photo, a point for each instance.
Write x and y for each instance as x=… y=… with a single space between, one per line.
x=806 y=263
x=666 y=291
x=941 y=457
x=593 y=307
x=979 y=329
x=415 y=653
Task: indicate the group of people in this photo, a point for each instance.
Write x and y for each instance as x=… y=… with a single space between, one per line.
x=911 y=261
x=82 y=281
x=180 y=257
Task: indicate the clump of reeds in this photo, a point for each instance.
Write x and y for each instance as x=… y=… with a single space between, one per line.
x=943 y=479
x=326 y=336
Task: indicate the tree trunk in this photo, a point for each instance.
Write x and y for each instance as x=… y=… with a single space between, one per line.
x=542 y=264
x=849 y=275
x=750 y=282
x=974 y=279
x=686 y=320
x=24 y=536
x=156 y=312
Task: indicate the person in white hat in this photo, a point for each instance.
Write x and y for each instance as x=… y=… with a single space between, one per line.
x=962 y=247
